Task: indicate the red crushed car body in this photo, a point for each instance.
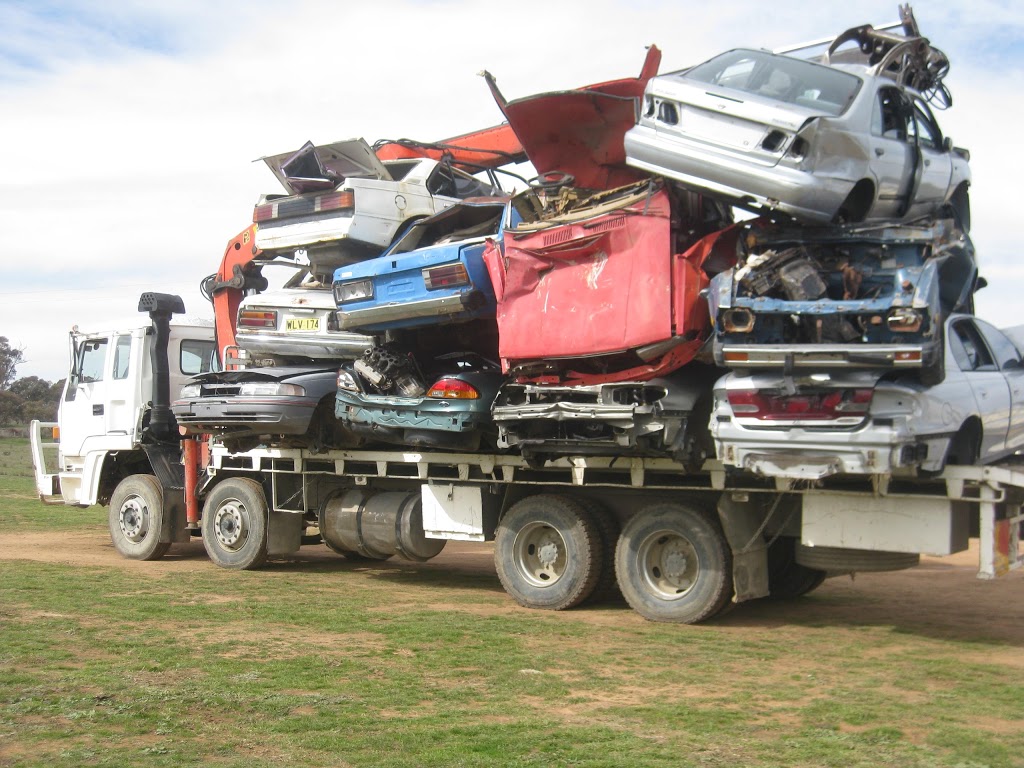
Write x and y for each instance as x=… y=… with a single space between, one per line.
x=598 y=295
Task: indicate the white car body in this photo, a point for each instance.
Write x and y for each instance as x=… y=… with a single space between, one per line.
x=344 y=204
x=976 y=414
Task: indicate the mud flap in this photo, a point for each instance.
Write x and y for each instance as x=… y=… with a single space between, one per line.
x=173 y=527
x=284 y=533
x=741 y=523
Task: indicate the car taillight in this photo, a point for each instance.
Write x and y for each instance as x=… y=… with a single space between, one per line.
x=904 y=321
x=304 y=205
x=453 y=389
x=251 y=318
x=355 y=290
x=446 y=276
x=815 y=406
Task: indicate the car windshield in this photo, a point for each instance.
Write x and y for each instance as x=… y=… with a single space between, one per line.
x=782 y=78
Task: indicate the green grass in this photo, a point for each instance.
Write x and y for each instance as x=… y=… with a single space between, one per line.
x=345 y=664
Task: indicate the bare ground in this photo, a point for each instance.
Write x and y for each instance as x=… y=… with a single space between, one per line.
x=942 y=598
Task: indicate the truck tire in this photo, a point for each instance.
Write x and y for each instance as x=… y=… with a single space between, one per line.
x=674 y=564
x=136 y=518
x=608 y=529
x=235 y=524
x=547 y=552
x=787 y=579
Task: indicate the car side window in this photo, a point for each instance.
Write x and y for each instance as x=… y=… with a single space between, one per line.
x=890 y=115
x=1005 y=352
x=925 y=128
x=969 y=350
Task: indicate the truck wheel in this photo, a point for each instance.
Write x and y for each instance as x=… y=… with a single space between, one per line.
x=235 y=524
x=547 y=551
x=136 y=517
x=608 y=530
x=787 y=579
x=673 y=564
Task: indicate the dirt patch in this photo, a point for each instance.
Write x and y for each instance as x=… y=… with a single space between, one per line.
x=942 y=598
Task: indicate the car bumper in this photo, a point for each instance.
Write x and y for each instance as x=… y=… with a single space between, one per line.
x=245 y=416
x=345 y=346
x=299 y=234
x=382 y=316
x=823 y=355
x=801 y=454
x=801 y=194
x=410 y=413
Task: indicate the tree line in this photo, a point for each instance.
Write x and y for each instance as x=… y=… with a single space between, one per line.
x=27 y=398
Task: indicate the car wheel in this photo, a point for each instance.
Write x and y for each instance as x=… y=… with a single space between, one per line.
x=235 y=524
x=857 y=204
x=136 y=518
x=674 y=564
x=960 y=207
x=965 y=447
x=547 y=552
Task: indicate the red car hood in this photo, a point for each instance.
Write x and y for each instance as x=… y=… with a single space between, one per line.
x=580 y=132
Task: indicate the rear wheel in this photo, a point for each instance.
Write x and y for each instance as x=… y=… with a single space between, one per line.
x=235 y=524
x=787 y=579
x=960 y=207
x=965 y=447
x=547 y=552
x=136 y=518
x=674 y=564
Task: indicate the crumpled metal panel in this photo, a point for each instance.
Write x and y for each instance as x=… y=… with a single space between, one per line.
x=580 y=132
x=602 y=286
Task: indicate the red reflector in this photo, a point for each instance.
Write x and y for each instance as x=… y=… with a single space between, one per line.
x=453 y=389
x=336 y=201
x=249 y=318
x=446 y=276
x=263 y=212
x=736 y=357
x=813 y=406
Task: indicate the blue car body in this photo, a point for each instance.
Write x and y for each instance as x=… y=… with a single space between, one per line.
x=433 y=274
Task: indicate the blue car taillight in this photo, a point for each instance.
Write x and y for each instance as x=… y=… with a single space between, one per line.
x=445 y=276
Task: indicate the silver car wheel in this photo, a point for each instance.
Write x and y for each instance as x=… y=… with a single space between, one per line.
x=540 y=554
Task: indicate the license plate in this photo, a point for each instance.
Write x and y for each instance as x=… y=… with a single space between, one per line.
x=302 y=324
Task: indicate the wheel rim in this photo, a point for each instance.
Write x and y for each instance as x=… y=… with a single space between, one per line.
x=669 y=564
x=539 y=554
x=231 y=524
x=133 y=519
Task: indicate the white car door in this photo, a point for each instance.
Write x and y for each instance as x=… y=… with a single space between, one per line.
x=990 y=388
x=932 y=182
x=1008 y=359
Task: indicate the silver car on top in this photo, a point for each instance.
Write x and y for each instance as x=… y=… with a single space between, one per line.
x=845 y=142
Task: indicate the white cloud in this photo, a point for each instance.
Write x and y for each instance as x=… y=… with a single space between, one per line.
x=128 y=136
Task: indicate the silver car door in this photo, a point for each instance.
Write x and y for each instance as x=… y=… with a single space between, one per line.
x=932 y=181
x=1008 y=358
x=892 y=157
x=991 y=391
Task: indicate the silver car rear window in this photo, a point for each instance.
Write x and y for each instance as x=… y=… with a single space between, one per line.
x=782 y=78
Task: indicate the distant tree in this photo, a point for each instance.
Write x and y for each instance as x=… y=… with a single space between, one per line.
x=10 y=359
x=12 y=409
x=32 y=388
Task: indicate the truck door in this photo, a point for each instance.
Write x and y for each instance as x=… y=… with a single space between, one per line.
x=82 y=413
x=102 y=399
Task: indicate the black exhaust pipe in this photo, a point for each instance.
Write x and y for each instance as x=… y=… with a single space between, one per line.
x=160 y=306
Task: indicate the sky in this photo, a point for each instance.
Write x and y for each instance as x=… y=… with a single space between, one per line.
x=128 y=128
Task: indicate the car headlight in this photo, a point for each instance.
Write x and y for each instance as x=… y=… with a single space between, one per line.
x=347 y=381
x=191 y=390
x=262 y=388
x=356 y=290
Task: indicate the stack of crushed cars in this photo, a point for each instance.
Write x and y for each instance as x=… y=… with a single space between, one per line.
x=617 y=305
